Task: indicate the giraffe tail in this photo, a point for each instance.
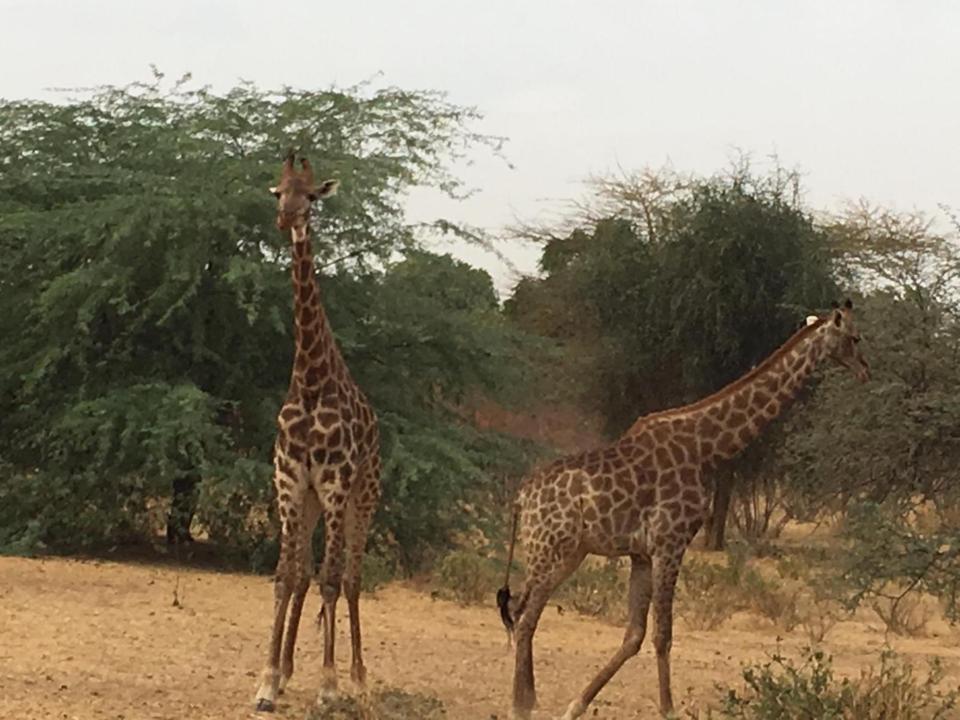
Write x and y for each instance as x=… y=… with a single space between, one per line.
x=503 y=594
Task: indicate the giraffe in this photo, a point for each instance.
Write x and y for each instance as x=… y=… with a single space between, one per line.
x=326 y=461
x=645 y=496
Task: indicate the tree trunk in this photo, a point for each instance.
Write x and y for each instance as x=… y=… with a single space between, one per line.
x=182 y=507
x=717 y=522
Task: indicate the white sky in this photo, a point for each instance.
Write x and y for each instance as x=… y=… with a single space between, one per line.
x=855 y=94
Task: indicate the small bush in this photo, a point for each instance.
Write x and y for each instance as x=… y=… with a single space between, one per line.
x=710 y=593
x=903 y=615
x=383 y=704
x=817 y=607
x=376 y=571
x=819 y=614
x=781 y=690
x=467 y=577
x=597 y=589
x=706 y=595
x=781 y=606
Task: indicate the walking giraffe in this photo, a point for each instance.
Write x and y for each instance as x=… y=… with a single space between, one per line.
x=326 y=460
x=646 y=496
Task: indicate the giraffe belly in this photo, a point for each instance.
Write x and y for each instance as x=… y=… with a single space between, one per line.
x=619 y=534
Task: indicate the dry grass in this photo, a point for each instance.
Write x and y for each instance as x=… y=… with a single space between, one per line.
x=383 y=704
x=101 y=640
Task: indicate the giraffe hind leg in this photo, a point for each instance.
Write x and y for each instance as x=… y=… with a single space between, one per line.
x=562 y=560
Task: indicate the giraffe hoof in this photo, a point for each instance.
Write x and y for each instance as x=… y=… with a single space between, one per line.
x=358 y=673
x=264 y=705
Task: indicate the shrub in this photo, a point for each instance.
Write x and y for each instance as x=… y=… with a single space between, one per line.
x=780 y=690
x=377 y=570
x=597 y=589
x=710 y=592
x=819 y=614
x=382 y=704
x=706 y=594
x=467 y=577
x=905 y=614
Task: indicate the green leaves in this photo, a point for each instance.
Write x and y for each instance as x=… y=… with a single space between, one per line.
x=145 y=303
x=680 y=285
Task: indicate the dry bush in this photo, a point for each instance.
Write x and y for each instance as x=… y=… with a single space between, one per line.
x=757 y=508
x=905 y=614
x=382 y=704
x=706 y=596
x=781 y=606
x=818 y=608
x=595 y=589
x=709 y=593
x=818 y=616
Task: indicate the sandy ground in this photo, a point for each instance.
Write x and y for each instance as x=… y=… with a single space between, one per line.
x=90 y=639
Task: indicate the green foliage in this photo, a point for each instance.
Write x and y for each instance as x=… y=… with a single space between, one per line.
x=596 y=589
x=669 y=288
x=467 y=576
x=679 y=286
x=885 y=453
x=888 y=561
x=376 y=571
x=145 y=309
x=781 y=690
x=710 y=592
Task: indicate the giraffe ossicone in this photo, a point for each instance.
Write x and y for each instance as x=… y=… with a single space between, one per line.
x=645 y=496
x=326 y=461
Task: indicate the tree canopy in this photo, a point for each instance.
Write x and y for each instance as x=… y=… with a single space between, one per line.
x=145 y=304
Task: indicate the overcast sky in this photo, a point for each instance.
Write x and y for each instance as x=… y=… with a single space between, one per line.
x=855 y=94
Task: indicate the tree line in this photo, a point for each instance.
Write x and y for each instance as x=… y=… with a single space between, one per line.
x=145 y=317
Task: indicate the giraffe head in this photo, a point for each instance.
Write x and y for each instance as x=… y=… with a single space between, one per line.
x=843 y=341
x=296 y=193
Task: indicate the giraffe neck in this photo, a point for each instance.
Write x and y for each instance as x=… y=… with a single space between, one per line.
x=734 y=417
x=723 y=424
x=316 y=352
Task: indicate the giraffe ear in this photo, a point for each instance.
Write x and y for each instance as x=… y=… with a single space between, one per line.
x=811 y=320
x=848 y=304
x=837 y=318
x=275 y=191
x=325 y=189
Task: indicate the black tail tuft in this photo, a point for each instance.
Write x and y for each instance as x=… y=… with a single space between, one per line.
x=503 y=602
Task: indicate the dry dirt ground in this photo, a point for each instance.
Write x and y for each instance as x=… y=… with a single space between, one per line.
x=90 y=639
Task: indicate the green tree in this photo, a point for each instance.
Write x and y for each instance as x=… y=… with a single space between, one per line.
x=886 y=454
x=145 y=301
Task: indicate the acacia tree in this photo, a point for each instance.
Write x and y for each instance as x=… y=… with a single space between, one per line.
x=145 y=302
x=680 y=287
x=886 y=454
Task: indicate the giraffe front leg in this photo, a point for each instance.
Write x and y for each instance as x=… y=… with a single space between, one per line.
x=309 y=514
x=282 y=587
x=665 y=571
x=638 y=604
